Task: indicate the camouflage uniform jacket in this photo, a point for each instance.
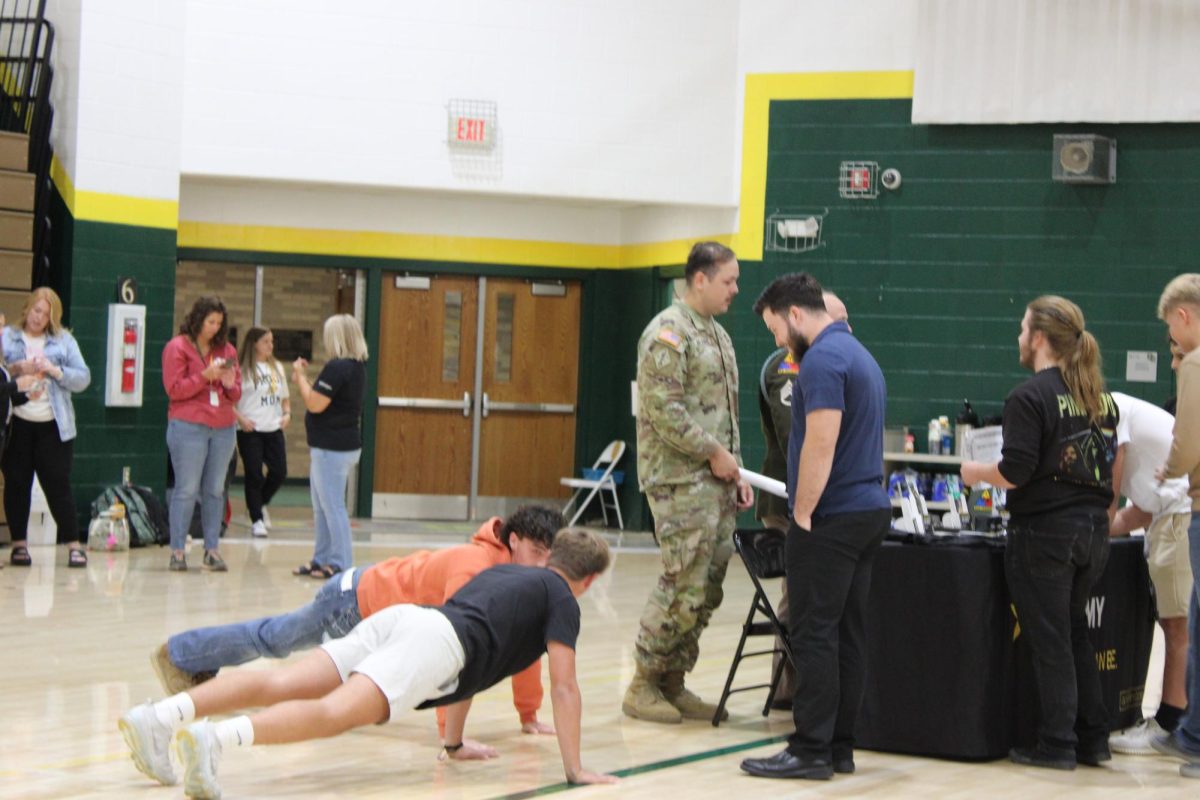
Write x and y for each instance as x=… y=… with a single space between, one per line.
x=687 y=397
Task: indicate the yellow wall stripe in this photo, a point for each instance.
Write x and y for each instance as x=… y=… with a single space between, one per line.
x=118 y=209
x=761 y=89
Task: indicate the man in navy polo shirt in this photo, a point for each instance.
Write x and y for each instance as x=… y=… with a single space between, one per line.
x=840 y=514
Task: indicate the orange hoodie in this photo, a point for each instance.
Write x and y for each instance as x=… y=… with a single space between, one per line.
x=430 y=578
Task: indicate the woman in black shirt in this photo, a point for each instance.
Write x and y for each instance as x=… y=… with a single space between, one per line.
x=334 y=404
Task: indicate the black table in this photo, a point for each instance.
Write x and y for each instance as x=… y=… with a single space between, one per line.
x=948 y=673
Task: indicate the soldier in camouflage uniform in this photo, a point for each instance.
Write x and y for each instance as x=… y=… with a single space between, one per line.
x=688 y=457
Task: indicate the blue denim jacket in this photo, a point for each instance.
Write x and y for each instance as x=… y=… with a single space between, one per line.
x=63 y=352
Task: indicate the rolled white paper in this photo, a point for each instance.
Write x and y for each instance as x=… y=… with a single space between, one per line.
x=769 y=485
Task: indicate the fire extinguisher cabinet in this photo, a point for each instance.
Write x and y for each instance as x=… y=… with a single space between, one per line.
x=126 y=351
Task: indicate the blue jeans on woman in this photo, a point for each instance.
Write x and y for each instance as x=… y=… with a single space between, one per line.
x=328 y=475
x=200 y=456
x=332 y=613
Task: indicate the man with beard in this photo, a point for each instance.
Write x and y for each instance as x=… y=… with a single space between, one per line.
x=840 y=514
x=775 y=415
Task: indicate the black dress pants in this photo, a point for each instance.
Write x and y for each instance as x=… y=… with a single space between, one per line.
x=828 y=580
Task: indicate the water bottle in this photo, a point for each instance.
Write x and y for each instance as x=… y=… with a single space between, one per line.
x=947 y=439
x=935 y=437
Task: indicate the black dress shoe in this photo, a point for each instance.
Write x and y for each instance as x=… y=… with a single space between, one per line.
x=786 y=765
x=1036 y=757
x=843 y=765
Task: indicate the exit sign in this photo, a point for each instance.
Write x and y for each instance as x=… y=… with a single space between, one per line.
x=472 y=124
x=470 y=130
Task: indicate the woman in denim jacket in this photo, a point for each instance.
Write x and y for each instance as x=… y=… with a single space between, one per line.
x=42 y=440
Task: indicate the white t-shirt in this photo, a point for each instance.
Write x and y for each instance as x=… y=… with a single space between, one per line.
x=1146 y=431
x=262 y=400
x=38 y=408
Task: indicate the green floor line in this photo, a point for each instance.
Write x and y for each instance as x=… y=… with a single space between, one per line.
x=554 y=788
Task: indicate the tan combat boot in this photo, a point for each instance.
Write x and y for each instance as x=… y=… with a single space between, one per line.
x=645 y=701
x=689 y=705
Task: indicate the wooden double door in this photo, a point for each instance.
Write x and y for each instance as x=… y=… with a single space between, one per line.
x=477 y=390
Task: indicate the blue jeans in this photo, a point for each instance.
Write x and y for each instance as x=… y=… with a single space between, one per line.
x=332 y=614
x=327 y=477
x=200 y=457
x=1051 y=564
x=1188 y=732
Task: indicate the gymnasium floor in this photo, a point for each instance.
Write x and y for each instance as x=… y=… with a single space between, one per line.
x=74 y=647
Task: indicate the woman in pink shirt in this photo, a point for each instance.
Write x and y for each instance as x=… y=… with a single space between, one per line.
x=203 y=382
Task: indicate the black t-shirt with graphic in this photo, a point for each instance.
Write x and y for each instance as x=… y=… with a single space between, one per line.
x=505 y=616
x=1056 y=458
x=344 y=382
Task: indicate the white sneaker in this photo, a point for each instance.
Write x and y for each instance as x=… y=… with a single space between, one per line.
x=1135 y=740
x=199 y=752
x=149 y=742
x=266 y=518
x=258 y=529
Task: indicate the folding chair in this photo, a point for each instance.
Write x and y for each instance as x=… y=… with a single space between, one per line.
x=599 y=481
x=762 y=551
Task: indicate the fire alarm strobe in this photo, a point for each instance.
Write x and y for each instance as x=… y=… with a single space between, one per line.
x=858 y=180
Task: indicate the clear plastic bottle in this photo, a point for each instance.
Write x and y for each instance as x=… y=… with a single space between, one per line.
x=935 y=437
x=947 y=435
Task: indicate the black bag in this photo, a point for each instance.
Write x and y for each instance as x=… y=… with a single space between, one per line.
x=147 y=518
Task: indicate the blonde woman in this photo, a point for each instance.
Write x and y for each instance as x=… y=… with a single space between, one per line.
x=334 y=404
x=42 y=441
x=263 y=412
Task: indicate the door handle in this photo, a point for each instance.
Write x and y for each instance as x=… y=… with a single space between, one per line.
x=434 y=403
x=487 y=407
x=537 y=408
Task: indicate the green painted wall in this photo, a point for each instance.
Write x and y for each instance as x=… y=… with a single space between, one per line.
x=937 y=274
x=87 y=259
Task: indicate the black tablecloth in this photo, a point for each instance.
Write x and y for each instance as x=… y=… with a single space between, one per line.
x=949 y=674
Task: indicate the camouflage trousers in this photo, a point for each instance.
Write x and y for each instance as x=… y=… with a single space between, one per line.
x=694 y=524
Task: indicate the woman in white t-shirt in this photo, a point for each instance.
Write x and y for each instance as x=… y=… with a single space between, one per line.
x=262 y=414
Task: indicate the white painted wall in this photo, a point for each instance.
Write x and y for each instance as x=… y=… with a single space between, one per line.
x=598 y=99
x=65 y=15
x=118 y=119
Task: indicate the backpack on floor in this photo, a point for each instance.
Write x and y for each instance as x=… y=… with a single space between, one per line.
x=147 y=518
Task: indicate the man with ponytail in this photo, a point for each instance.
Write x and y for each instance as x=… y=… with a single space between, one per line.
x=1179 y=308
x=1059 y=446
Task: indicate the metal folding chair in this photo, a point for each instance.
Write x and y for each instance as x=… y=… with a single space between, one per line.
x=762 y=551
x=602 y=484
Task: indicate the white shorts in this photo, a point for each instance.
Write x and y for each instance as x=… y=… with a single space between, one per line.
x=411 y=653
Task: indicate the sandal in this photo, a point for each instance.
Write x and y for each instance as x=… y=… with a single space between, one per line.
x=323 y=573
x=77 y=557
x=20 y=557
x=306 y=569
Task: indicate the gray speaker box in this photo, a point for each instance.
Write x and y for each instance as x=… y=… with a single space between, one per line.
x=1084 y=158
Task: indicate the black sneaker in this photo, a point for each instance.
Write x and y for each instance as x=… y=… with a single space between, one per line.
x=1093 y=756
x=178 y=563
x=1035 y=757
x=213 y=560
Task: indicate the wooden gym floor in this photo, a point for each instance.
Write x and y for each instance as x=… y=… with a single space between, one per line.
x=74 y=647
